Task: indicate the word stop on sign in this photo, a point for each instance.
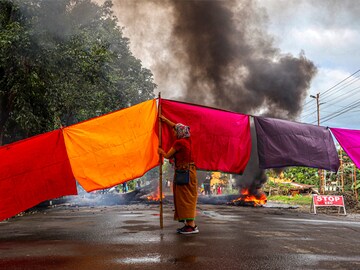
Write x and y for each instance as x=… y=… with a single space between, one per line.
x=327 y=200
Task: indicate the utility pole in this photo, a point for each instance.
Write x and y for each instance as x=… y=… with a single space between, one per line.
x=317 y=97
x=318 y=108
x=341 y=170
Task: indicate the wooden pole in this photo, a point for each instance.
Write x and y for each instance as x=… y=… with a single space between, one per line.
x=341 y=170
x=321 y=172
x=160 y=169
x=355 y=190
x=321 y=177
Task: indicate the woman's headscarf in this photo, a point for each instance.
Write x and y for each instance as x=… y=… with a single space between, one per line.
x=182 y=131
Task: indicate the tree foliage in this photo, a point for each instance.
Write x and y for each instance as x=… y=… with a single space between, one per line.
x=348 y=174
x=63 y=61
x=302 y=175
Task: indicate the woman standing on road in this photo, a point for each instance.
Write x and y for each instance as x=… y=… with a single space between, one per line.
x=185 y=196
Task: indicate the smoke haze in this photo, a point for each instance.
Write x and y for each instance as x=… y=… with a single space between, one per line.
x=216 y=53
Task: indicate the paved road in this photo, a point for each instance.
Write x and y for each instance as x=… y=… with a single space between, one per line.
x=128 y=237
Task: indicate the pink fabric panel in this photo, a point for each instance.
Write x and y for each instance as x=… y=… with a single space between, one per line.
x=349 y=140
x=221 y=140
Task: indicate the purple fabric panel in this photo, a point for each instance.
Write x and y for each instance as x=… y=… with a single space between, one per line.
x=283 y=143
x=350 y=141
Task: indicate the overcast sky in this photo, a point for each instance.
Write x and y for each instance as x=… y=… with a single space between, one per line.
x=326 y=31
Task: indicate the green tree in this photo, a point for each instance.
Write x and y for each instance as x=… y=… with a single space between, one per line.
x=301 y=175
x=348 y=172
x=63 y=61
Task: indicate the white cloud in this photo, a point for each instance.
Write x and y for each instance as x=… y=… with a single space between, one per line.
x=327 y=31
x=319 y=38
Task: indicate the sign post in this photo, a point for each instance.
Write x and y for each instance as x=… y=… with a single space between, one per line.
x=326 y=201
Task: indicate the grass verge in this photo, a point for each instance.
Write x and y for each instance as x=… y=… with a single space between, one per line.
x=293 y=200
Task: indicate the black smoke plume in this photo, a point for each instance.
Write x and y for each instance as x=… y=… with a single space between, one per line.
x=218 y=53
x=253 y=177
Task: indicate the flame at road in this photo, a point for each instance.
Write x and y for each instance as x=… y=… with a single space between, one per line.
x=257 y=199
x=155 y=196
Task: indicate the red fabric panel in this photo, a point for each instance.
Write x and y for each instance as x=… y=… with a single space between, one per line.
x=32 y=171
x=221 y=140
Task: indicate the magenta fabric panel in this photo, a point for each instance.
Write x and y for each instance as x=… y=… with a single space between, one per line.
x=221 y=140
x=32 y=171
x=283 y=143
x=349 y=140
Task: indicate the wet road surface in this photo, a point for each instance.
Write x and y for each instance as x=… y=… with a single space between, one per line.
x=129 y=237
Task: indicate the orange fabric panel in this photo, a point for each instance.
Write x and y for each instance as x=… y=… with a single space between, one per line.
x=113 y=148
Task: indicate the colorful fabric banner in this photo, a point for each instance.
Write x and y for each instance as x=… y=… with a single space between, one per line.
x=221 y=140
x=113 y=148
x=32 y=171
x=283 y=143
x=350 y=141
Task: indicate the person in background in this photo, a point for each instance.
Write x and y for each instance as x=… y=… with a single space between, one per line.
x=185 y=196
x=219 y=190
x=124 y=187
x=207 y=185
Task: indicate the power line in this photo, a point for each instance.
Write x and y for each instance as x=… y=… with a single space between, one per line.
x=337 y=90
x=343 y=97
x=342 y=111
x=336 y=86
x=330 y=99
x=326 y=91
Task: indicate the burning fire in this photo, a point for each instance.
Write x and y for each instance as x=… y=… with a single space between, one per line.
x=254 y=199
x=155 y=197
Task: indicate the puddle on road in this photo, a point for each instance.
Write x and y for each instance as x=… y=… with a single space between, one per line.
x=185 y=259
x=154 y=258
x=216 y=215
x=330 y=258
x=135 y=221
x=335 y=222
x=131 y=214
x=136 y=237
x=140 y=227
x=279 y=205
